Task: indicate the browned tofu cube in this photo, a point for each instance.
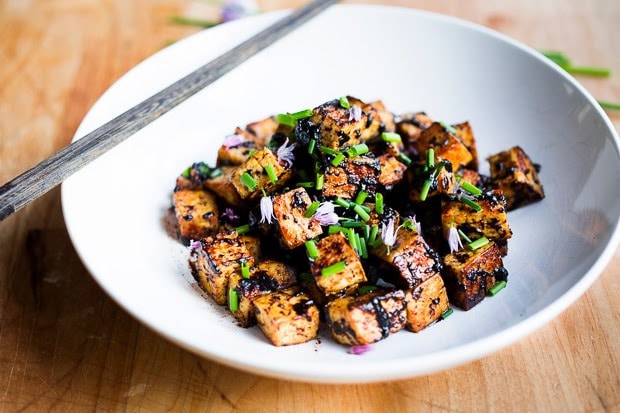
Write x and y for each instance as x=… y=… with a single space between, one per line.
x=339 y=129
x=446 y=145
x=513 y=172
x=196 y=212
x=291 y=224
x=379 y=119
x=237 y=147
x=252 y=243
x=442 y=182
x=351 y=176
x=411 y=125
x=195 y=175
x=410 y=259
x=469 y=275
x=334 y=252
x=223 y=187
x=266 y=277
x=426 y=303
x=465 y=133
x=366 y=318
x=254 y=170
x=287 y=317
x=392 y=171
x=263 y=129
x=216 y=260
x=491 y=221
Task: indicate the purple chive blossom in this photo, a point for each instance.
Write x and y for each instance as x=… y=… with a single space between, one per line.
x=230 y=215
x=194 y=245
x=454 y=240
x=235 y=9
x=233 y=140
x=285 y=153
x=266 y=210
x=388 y=234
x=325 y=214
x=355 y=113
x=360 y=349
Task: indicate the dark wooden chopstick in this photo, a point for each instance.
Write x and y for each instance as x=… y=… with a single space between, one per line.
x=35 y=182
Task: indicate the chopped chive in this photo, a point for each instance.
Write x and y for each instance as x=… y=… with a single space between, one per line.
x=311 y=146
x=360 y=211
x=447 y=127
x=233 y=300
x=609 y=105
x=312 y=209
x=252 y=151
x=320 y=178
x=356 y=150
x=313 y=251
x=243 y=229
x=327 y=150
x=188 y=21
x=352 y=239
x=587 y=70
x=187 y=172
x=366 y=230
x=362 y=243
x=557 y=57
x=366 y=289
x=245 y=269
x=361 y=197
x=305 y=184
x=475 y=206
x=365 y=208
x=470 y=188
x=426 y=187
x=344 y=102
x=285 y=119
x=342 y=202
x=479 y=243
x=248 y=181
x=379 y=203
x=215 y=172
x=271 y=173
x=333 y=269
x=332 y=229
x=377 y=243
x=306 y=113
x=430 y=158
x=337 y=159
x=500 y=285
x=447 y=313
x=404 y=159
x=408 y=224
x=391 y=137
x=352 y=224
x=374 y=230
x=463 y=235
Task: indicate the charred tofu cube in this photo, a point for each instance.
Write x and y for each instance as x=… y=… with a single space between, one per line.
x=410 y=261
x=216 y=260
x=268 y=276
x=446 y=145
x=366 y=318
x=287 y=317
x=339 y=127
x=379 y=119
x=237 y=148
x=263 y=129
x=465 y=134
x=351 y=176
x=195 y=175
x=392 y=171
x=491 y=221
x=411 y=125
x=252 y=243
x=223 y=187
x=469 y=275
x=252 y=177
x=196 y=212
x=426 y=303
x=337 y=266
x=513 y=172
x=292 y=227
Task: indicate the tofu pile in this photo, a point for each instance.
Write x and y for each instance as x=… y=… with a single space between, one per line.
x=350 y=217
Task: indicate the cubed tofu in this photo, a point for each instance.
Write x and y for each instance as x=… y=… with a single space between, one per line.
x=465 y=133
x=308 y=285
x=266 y=277
x=339 y=129
x=263 y=129
x=513 y=172
x=216 y=259
x=352 y=175
x=446 y=145
x=411 y=125
x=379 y=119
x=469 y=275
x=410 y=261
x=196 y=212
x=223 y=187
x=255 y=168
x=471 y=176
x=366 y=318
x=333 y=250
x=392 y=171
x=287 y=317
x=426 y=303
x=195 y=175
x=491 y=221
x=253 y=244
x=244 y=143
x=292 y=227
x=442 y=182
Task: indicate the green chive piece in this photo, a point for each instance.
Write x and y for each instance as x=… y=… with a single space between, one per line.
x=248 y=181
x=302 y=114
x=327 y=150
x=245 y=269
x=379 y=203
x=285 y=119
x=352 y=239
x=305 y=184
x=187 y=172
x=337 y=159
x=311 y=146
x=320 y=178
x=271 y=173
x=404 y=159
x=391 y=137
x=243 y=229
x=366 y=289
x=333 y=269
x=447 y=313
x=312 y=209
x=252 y=152
x=470 y=188
x=332 y=229
x=215 y=172
x=344 y=102
x=557 y=57
x=313 y=251
x=362 y=243
x=430 y=158
x=233 y=300
x=463 y=235
x=609 y=105
x=361 y=197
x=360 y=211
x=188 y=21
x=497 y=287
x=374 y=230
x=426 y=187
x=588 y=71
x=471 y=203
x=448 y=127
x=479 y=243
x=356 y=150
x=342 y=202
x=366 y=229
x=352 y=224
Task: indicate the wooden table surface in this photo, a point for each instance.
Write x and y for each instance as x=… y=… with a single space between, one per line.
x=65 y=346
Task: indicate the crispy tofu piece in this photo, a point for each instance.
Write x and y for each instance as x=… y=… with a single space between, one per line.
x=426 y=303
x=446 y=145
x=263 y=129
x=490 y=222
x=410 y=260
x=338 y=129
x=287 y=317
x=266 y=277
x=196 y=212
x=471 y=176
x=252 y=243
x=513 y=172
x=465 y=133
x=223 y=187
x=411 y=125
x=237 y=154
x=334 y=249
x=444 y=183
x=351 y=176
x=469 y=275
x=392 y=170
x=366 y=318
x=194 y=176
x=308 y=285
x=217 y=259
x=255 y=167
x=379 y=119
x=291 y=226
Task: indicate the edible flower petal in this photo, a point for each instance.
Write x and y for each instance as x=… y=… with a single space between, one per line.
x=230 y=215
x=266 y=210
x=355 y=113
x=454 y=240
x=233 y=140
x=235 y=9
x=194 y=245
x=388 y=234
x=325 y=214
x=285 y=153
x=360 y=349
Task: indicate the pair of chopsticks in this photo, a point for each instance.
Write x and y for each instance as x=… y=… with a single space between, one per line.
x=37 y=181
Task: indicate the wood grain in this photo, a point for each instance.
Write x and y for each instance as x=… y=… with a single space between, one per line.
x=65 y=346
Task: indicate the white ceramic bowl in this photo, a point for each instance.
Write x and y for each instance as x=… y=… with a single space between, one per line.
x=412 y=60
